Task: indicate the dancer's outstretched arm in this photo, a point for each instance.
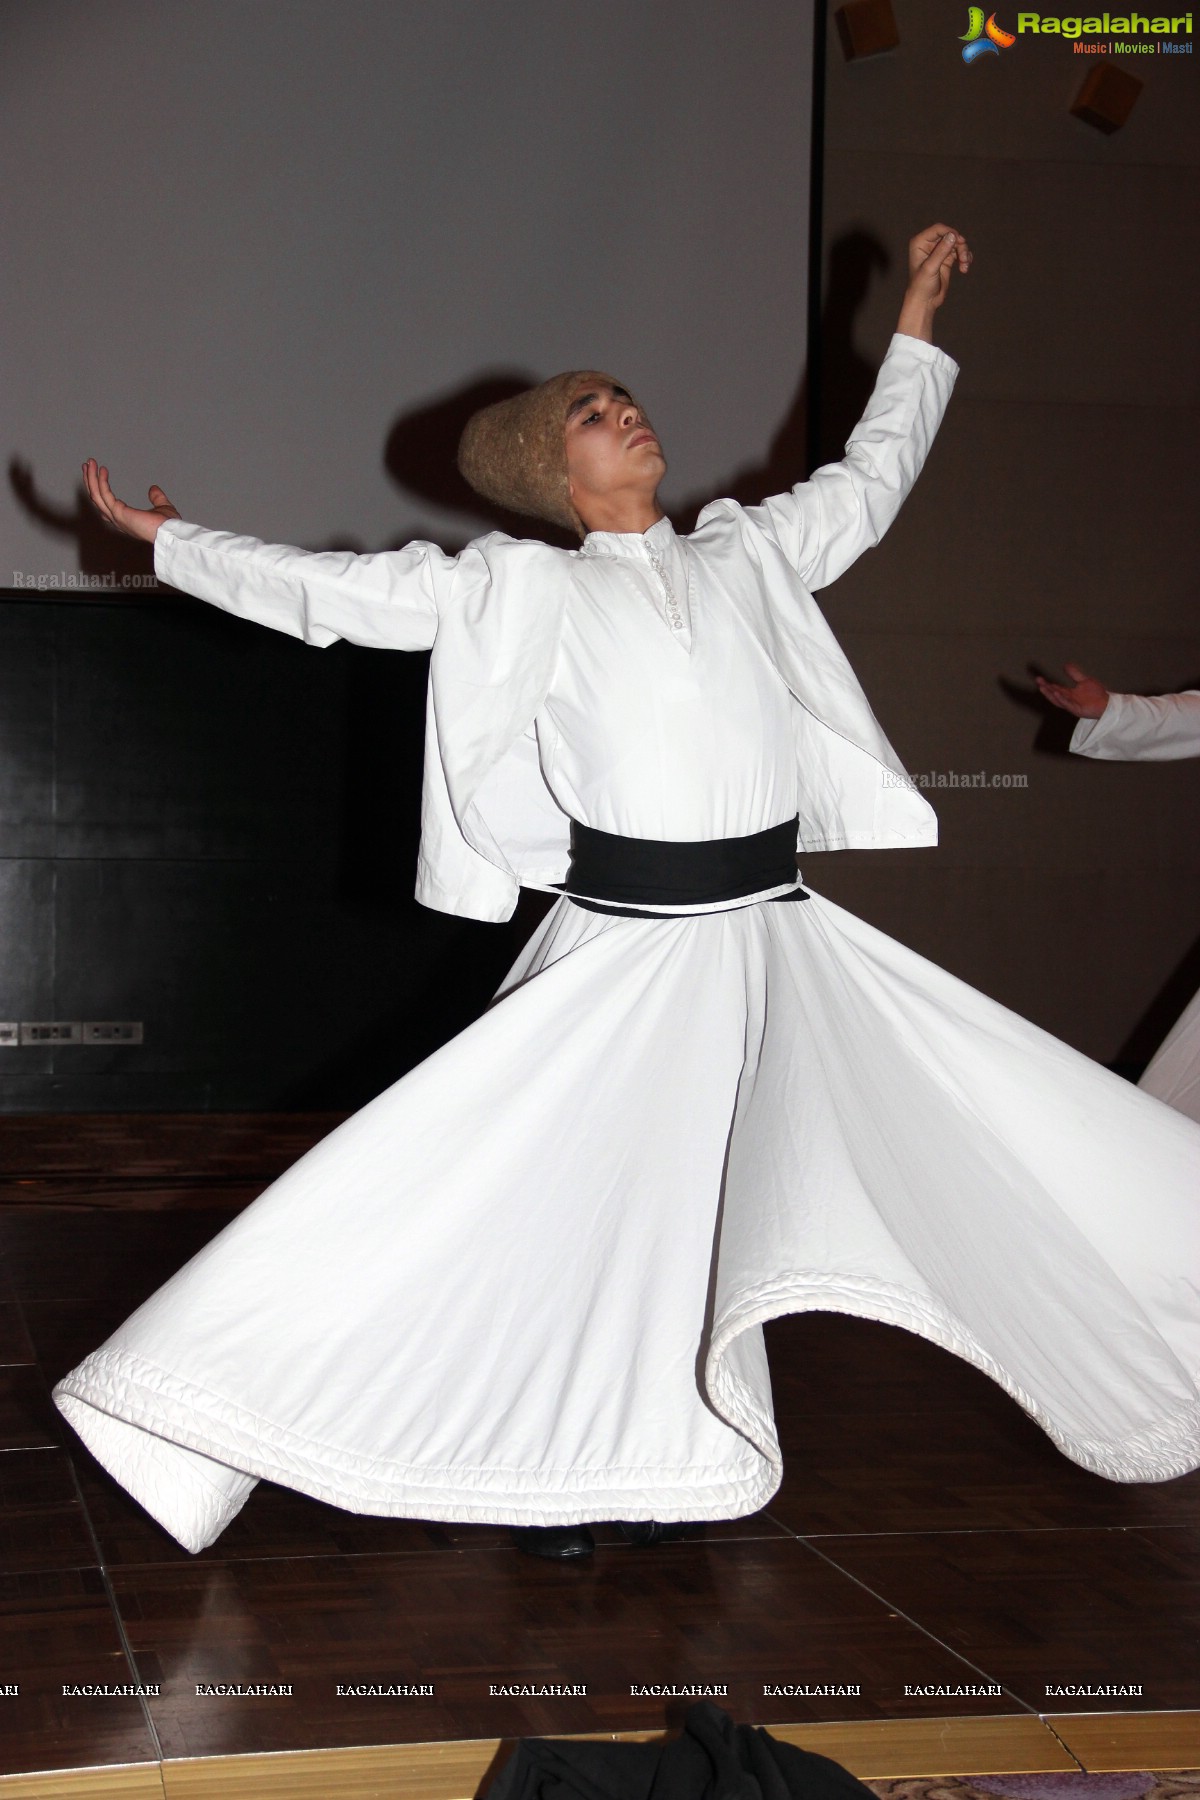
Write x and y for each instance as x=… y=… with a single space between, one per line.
x=386 y=601
x=826 y=522
x=1126 y=727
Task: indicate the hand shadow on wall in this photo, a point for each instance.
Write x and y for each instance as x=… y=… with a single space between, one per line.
x=1054 y=727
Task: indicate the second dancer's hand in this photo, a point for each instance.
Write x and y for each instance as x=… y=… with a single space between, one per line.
x=134 y=521
x=1086 y=697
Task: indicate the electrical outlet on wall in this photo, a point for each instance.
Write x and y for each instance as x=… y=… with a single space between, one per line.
x=112 y=1031
x=51 y=1031
x=72 y=1031
x=10 y=1034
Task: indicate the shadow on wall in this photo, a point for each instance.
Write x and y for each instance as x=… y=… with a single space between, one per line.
x=420 y=451
x=419 y=455
x=831 y=393
x=422 y=446
x=1054 y=727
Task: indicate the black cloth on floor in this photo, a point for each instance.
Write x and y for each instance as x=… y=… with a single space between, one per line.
x=714 y=1759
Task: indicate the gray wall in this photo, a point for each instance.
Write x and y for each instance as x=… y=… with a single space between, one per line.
x=1058 y=516
x=243 y=241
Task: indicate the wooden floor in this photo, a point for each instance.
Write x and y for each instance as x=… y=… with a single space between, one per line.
x=931 y=1559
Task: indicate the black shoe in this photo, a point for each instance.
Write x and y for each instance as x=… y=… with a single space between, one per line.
x=563 y=1543
x=649 y=1531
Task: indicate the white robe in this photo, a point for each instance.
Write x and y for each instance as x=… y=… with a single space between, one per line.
x=492 y=617
x=1155 y=728
x=527 y=1283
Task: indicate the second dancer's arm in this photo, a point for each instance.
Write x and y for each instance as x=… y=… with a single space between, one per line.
x=1126 y=727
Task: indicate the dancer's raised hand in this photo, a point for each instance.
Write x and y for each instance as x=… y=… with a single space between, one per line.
x=933 y=255
x=135 y=521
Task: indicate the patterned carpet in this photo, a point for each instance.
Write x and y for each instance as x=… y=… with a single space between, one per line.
x=1180 y=1784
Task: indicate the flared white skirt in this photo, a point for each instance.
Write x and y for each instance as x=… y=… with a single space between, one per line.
x=527 y=1283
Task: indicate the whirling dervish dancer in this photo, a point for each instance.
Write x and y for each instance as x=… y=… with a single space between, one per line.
x=527 y=1283
x=1142 y=728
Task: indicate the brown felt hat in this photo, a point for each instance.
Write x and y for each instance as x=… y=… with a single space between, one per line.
x=514 y=453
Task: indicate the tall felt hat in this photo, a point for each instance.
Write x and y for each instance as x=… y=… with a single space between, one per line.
x=514 y=453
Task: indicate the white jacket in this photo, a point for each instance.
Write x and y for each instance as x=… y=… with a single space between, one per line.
x=1142 y=728
x=492 y=617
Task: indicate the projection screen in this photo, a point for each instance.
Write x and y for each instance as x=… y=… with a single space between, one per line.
x=246 y=244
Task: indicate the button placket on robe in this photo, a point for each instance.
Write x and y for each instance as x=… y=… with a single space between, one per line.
x=674 y=616
x=666 y=612
x=625 y=548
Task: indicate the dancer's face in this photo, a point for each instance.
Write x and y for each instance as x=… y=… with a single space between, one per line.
x=611 y=446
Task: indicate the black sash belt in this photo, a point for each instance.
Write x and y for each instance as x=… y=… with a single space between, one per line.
x=620 y=874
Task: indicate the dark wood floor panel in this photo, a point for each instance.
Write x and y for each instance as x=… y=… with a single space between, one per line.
x=57 y=1628
x=927 y=1535
x=62 y=1332
x=741 y=1614
x=1117 y=1608
x=28 y=1418
x=709 y=1531
x=42 y=1523
x=15 y=1345
x=124 y=1195
x=883 y=1431
x=80 y=1253
x=994 y=1469
x=139 y=1146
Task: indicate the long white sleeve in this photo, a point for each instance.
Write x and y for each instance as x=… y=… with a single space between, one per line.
x=1142 y=728
x=386 y=601
x=825 y=523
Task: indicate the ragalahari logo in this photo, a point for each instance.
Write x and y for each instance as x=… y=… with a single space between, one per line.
x=983 y=39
